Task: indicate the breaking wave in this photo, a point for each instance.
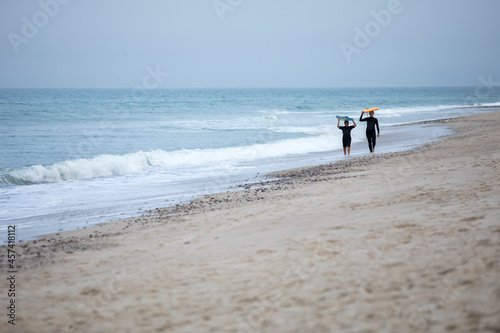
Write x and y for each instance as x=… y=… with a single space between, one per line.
x=111 y=165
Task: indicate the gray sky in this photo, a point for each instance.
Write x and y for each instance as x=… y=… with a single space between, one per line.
x=248 y=43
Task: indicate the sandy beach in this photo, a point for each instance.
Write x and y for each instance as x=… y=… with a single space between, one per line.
x=398 y=242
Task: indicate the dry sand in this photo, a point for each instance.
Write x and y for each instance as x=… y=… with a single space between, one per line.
x=400 y=242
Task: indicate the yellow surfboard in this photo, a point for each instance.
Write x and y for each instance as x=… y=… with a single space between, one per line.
x=369 y=110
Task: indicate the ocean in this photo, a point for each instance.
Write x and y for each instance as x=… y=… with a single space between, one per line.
x=71 y=158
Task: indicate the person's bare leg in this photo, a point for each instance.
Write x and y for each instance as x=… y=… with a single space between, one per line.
x=344 y=151
x=349 y=151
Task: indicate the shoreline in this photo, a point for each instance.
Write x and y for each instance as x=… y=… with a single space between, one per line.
x=75 y=214
x=407 y=240
x=276 y=180
x=272 y=181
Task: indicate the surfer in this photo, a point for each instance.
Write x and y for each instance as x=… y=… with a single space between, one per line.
x=346 y=136
x=371 y=122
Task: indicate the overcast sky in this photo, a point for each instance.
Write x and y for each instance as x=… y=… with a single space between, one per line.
x=248 y=43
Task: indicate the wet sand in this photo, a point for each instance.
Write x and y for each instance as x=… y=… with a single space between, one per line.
x=398 y=242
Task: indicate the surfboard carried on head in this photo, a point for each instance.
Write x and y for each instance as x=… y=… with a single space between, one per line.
x=344 y=118
x=370 y=110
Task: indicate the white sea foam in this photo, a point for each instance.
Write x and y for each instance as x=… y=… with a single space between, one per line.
x=111 y=165
x=490 y=104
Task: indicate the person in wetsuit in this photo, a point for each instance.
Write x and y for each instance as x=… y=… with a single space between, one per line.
x=346 y=135
x=371 y=122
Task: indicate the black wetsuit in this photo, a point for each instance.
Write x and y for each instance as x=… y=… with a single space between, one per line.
x=371 y=122
x=346 y=137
